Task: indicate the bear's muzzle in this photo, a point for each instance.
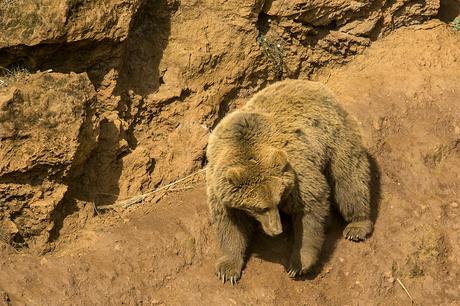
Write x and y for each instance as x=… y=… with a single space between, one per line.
x=271 y=222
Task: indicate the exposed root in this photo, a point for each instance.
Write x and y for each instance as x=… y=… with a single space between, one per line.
x=127 y=202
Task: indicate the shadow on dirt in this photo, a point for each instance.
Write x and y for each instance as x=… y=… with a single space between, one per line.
x=140 y=72
x=97 y=182
x=278 y=249
x=449 y=10
x=147 y=40
x=375 y=187
x=137 y=59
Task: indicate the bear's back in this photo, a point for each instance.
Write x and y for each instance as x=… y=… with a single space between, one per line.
x=300 y=117
x=297 y=100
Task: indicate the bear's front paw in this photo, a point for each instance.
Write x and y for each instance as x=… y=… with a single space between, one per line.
x=229 y=269
x=300 y=264
x=358 y=230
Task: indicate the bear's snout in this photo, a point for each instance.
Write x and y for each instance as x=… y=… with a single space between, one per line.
x=273 y=232
x=271 y=222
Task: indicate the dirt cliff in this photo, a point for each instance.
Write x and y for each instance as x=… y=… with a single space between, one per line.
x=156 y=77
x=403 y=92
x=103 y=100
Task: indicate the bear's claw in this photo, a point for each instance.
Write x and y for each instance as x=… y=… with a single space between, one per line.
x=300 y=265
x=223 y=277
x=293 y=273
x=357 y=231
x=228 y=270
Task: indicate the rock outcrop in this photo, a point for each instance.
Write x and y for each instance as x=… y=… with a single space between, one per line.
x=46 y=134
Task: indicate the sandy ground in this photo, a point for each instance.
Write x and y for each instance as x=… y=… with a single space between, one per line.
x=404 y=92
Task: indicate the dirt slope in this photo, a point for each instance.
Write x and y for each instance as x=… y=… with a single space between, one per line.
x=404 y=92
x=162 y=73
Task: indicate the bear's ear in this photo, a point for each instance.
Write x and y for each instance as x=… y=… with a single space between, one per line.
x=235 y=175
x=278 y=159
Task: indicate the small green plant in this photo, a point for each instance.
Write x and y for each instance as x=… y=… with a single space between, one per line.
x=273 y=50
x=455 y=24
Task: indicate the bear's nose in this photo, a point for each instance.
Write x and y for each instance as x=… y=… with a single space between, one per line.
x=277 y=228
x=273 y=231
x=277 y=232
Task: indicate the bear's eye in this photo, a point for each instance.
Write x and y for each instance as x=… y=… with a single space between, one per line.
x=263 y=210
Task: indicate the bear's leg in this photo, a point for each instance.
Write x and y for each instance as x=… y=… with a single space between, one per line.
x=234 y=230
x=310 y=208
x=308 y=240
x=351 y=178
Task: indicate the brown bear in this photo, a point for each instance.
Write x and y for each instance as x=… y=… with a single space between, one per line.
x=288 y=149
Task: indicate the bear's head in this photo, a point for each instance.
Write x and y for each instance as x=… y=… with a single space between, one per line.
x=257 y=186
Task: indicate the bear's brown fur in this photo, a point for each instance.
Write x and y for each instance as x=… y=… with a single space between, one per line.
x=286 y=150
